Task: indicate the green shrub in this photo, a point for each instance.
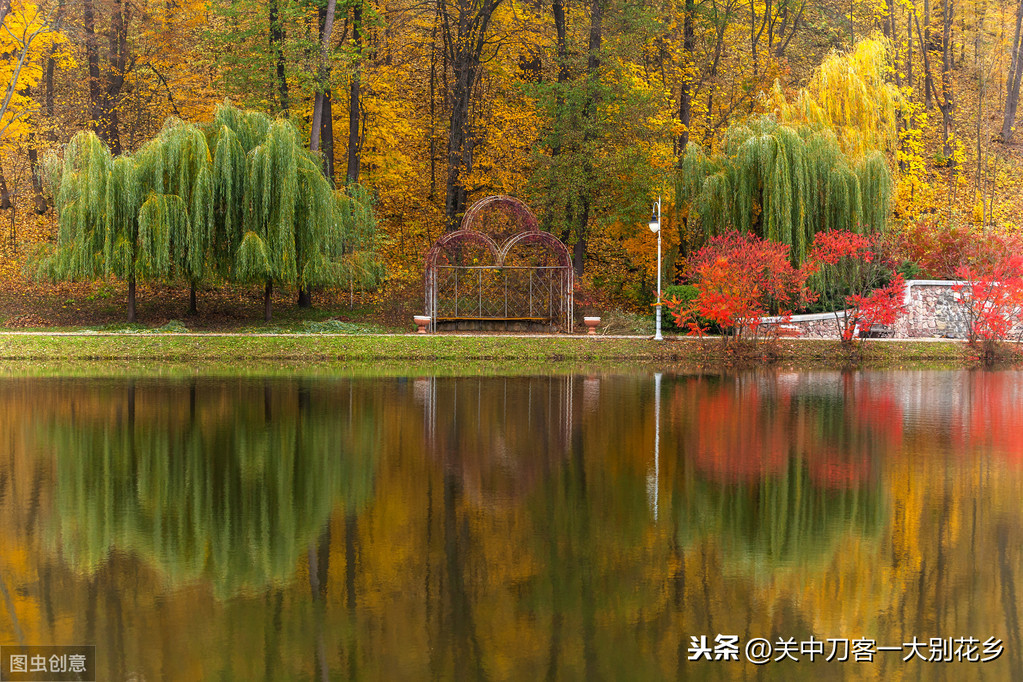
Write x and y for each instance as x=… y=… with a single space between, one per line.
x=172 y=327
x=685 y=294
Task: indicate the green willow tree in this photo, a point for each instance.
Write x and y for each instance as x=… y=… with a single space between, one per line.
x=238 y=199
x=784 y=183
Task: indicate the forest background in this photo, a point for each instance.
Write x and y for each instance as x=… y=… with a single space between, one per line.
x=585 y=110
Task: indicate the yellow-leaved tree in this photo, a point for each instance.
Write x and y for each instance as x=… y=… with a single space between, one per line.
x=850 y=93
x=26 y=35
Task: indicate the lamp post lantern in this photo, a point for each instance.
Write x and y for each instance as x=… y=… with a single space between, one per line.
x=655 y=227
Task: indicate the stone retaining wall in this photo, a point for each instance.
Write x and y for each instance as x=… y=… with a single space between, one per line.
x=931 y=311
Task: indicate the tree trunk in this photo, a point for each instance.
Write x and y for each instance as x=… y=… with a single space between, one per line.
x=354 y=103
x=925 y=48
x=267 y=293
x=685 y=99
x=909 y=47
x=947 y=107
x=1015 y=71
x=433 y=108
x=981 y=92
x=103 y=92
x=589 y=110
x=327 y=136
x=51 y=67
x=323 y=73
x=5 y=194
x=889 y=29
x=305 y=298
x=560 y=27
x=115 y=82
x=561 y=30
x=459 y=151
x=193 y=308
x=890 y=32
x=39 y=202
x=92 y=58
x=579 y=252
x=277 y=48
x=792 y=28
x=131 y=298
x=947 y=104
x=464 y=35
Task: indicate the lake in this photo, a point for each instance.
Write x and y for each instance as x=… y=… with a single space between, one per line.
x=634 y=526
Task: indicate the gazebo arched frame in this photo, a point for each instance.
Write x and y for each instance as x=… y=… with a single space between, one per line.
x=497 y=292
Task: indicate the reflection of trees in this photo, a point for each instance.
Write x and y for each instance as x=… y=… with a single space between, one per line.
x=779 y=522
x=781 y=475
x=232 y=488
x=489 y=442
x=588 y=530
x=517 y=548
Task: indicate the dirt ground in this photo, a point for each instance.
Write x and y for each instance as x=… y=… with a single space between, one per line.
x=222 y=308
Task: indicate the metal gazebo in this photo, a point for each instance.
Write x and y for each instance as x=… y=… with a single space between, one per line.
x=500 y=278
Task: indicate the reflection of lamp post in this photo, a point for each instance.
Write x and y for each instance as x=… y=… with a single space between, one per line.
x=653 y=479
x=655 y=227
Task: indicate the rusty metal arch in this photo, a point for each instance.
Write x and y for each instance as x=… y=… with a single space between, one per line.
x=558 y=279
x=523 y=216
x=545 y=238
x=461 y=237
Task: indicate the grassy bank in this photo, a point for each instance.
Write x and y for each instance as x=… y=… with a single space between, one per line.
x=234 y=352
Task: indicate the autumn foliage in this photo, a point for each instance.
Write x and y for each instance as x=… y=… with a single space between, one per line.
x=941 y=251
x=990 y=299
x=851 y=270
x=988 y=266
x=740 y=278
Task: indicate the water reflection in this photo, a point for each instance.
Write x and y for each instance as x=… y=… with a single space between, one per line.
x=203 y=481
x=781 y=475
x=544 y=527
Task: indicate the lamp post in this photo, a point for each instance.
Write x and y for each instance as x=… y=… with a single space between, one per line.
x=655 y=227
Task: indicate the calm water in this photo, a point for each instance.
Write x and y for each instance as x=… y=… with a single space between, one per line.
x=583 y=527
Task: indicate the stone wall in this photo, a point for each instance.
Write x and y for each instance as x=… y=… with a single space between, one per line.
x=931 y=312
x=814 y=326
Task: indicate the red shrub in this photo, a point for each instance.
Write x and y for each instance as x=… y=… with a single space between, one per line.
x=851 y=270
x=942 y=250
x=990 y=298
x=740 y=278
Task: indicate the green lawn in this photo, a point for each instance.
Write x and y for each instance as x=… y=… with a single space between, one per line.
x=407 y=353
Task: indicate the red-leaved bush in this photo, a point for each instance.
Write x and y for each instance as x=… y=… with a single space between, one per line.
x=990 y=298
x=942 y=250
x=853 y=272
x=740 y=279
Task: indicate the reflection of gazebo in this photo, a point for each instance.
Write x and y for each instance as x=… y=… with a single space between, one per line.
x=499 y=269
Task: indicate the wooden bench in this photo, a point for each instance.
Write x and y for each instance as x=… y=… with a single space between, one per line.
x=878 y=331
x=469 y=323
x=494 y=319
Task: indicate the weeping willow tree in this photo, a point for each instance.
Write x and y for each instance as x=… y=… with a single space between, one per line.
x=292 y=228
x=816 y=163
x=80 y=199
x=850 y=93
x=783 y=183
x=238 y=199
